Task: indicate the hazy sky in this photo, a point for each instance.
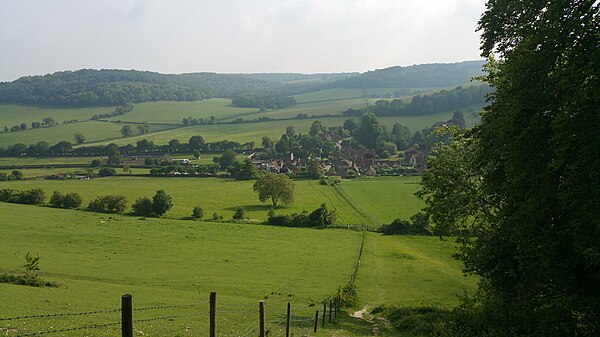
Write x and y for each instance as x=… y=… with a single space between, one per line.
x=228 y=36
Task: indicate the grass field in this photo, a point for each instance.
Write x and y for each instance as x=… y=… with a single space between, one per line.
x=384 y=198
x=387 y=198
x=329 y=94
x=410 y=271
x=331 y=107
x=92 y=131
x=253 y=132
x=12 y=114
x=175 y=112
x=96 y=258
x=222 y=196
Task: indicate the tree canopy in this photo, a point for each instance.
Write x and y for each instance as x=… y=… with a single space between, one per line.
x=523 y=187
x=275 y=187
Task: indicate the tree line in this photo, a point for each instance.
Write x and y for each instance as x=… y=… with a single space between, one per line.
x=262 y=101
x=88 y=87
x=444 y=100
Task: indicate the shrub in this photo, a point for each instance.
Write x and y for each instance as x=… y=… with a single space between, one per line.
x=161 y=203
x=69 y=200
x=239 y=214
x=197 y=212
x=108 y=204
x=318 y=218
x=142 y=206
x=29 y=197
x=404 y=227
x=107 y=171
x=95 y=163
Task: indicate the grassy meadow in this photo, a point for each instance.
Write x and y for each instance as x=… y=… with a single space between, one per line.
x=224 y=196
x=175 y=112
x=329 y=94
x=96 y=258
x=13 y=114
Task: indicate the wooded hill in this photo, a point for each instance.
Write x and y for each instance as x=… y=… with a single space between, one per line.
x=88 y=87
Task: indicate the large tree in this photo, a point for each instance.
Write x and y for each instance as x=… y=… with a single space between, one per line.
x=524 y=186
x=275 y=187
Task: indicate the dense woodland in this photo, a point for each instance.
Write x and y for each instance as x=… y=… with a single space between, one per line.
x=88 y=87
x=444 y=100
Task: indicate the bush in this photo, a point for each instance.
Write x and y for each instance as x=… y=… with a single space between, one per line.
x=161 y=203
x=108 y=204
x=95 y=163
x=107 y=171
x=197 y=212
x=318 y=218
x=69 y=200
x=239 y=214
x=142 y=206
x=348 y=295
x=29 y=197
x=405 y=227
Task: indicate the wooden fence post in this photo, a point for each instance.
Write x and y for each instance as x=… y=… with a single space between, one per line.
x=126 y=316
x=213 y=314
x=324 y=312
x=261 y=318
x=316 y=320
x=287 y=322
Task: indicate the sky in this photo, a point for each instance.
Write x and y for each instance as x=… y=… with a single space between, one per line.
x=38 y=37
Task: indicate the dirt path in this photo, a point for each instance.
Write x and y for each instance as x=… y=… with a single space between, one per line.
x=364 y=315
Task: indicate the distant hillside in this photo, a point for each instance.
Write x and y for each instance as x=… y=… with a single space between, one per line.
x=435 y=75
x=293 y=78
x=89 y=87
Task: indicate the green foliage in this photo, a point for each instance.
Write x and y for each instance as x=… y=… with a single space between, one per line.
x=404 y=227
x=532 y=158
x=275 y=187
x=197 y=212
x=142 y=206
x=126 y=130
x=419 y=321
x=255 y=100
x=348 y=295
x=69 y=200
x=161 y=203
x=239 y=214
x=369 y=130
x=227 y=159
x=244 y=171
x=108 y=204
x=32 y=264
x=26 y=280
x=106 y=172
x=79 y=138
x=30 y=197
x=319 y=218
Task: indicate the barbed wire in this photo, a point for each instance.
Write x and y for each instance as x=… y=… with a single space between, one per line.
x=59 y=315
x=168 y=306
x=164 y=318
x=86 y=327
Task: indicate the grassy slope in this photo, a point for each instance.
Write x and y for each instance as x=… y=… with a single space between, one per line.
x=223 y=196
x=329 y=94
x=253 y=132
x=12 y=114
x=174 y=112
x=97 y=258
x=385 y=197
x=410 y=271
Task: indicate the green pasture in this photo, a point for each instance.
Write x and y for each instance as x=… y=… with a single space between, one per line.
x=92 y=131
x=4 y=161
x=387 y=198
x=96 y=258
x=253 y=132
x=412 y=271
x=329 y=94
x=222 y=196
x=175 y=112
x=329 y=107
x=12 y=114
